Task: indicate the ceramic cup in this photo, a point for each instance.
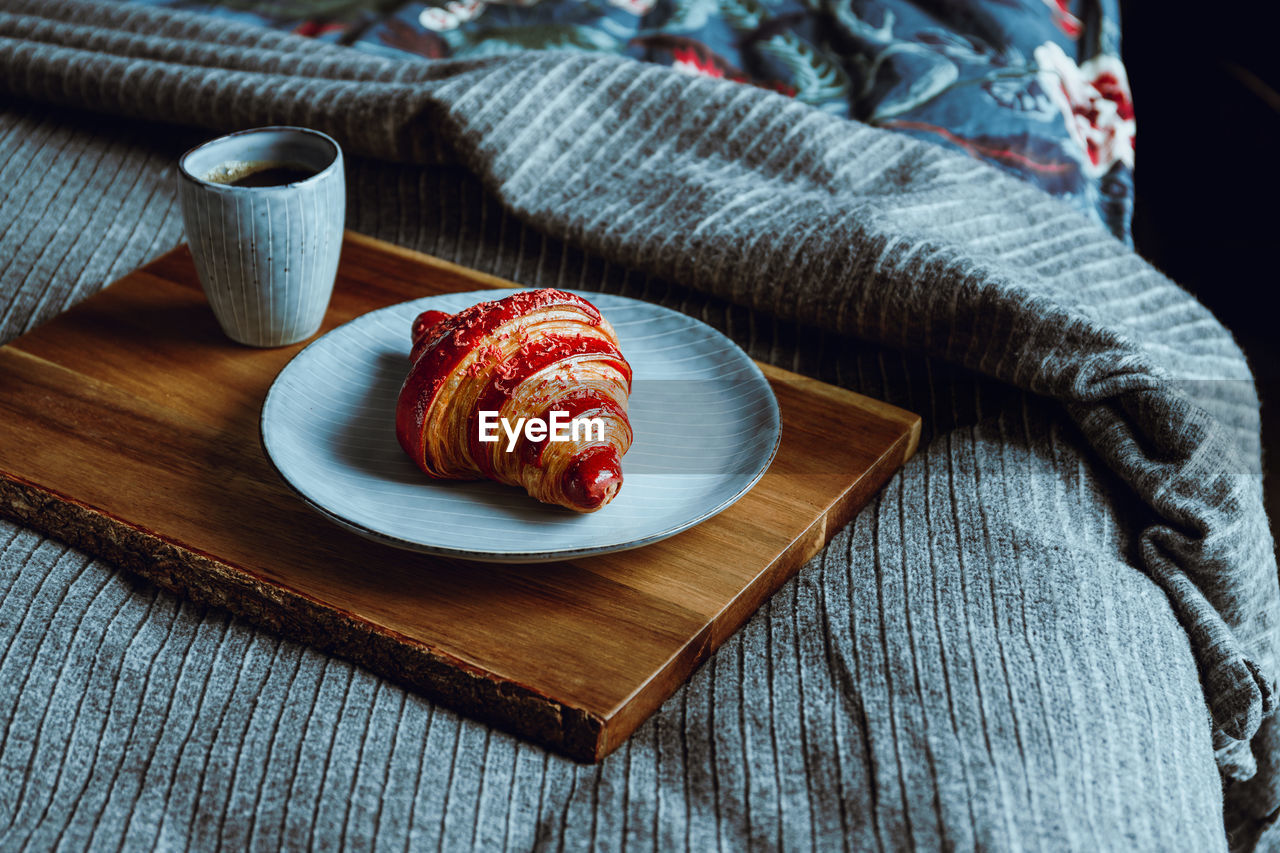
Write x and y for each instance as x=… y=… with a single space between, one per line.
x=266 y=255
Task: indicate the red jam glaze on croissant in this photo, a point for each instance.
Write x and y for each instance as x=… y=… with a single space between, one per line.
x=528 y=355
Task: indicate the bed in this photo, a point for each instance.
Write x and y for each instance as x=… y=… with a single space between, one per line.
x=1055 y=628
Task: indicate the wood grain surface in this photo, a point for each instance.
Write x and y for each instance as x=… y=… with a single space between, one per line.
x=129 y=428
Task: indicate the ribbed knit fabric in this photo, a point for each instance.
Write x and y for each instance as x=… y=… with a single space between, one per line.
x=1035 y=636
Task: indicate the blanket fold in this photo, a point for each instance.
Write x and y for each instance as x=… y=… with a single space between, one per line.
x=765 y=203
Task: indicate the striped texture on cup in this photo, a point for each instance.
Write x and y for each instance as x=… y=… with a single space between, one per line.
x=266 y=256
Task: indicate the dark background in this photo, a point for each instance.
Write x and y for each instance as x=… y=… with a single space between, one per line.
x=1207 y=179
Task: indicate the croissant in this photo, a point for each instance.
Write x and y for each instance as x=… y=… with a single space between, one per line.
x=544 y=356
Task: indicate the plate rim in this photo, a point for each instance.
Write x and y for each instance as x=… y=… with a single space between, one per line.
x=534 y=556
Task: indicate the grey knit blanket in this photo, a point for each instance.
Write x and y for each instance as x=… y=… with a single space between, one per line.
x=1039 y=635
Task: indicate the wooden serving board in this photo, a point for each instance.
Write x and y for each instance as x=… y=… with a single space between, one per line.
x=129 y=428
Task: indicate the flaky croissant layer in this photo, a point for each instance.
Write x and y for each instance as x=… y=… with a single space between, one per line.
x=527 y=357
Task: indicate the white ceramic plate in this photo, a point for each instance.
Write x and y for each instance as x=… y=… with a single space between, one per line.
x=705 y=420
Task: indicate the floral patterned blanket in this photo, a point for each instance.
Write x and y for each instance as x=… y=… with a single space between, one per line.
x=1034 y=86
